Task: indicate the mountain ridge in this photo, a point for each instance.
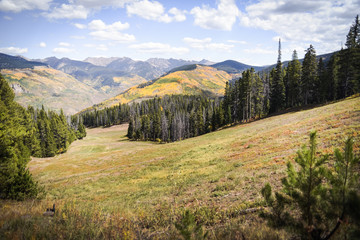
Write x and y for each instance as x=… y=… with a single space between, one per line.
x=196 y=80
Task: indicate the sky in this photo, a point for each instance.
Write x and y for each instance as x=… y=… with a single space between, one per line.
x=247 y=31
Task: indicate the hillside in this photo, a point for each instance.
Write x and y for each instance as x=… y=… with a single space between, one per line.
x=144 y=187
x=51 y=88
x=191 y=80
x=11 y=62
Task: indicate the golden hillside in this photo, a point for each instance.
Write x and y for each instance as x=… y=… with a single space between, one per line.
x=198 y=80
x=51 y=88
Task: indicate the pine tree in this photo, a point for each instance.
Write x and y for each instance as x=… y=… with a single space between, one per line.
x=323 y=81
x=277 y=100
x=130 y=133
x=294 y=78
x=15 y=180
x=333 y=77
x=316 y=198
x=353 y=37
x=344 y=180
x=309 y=76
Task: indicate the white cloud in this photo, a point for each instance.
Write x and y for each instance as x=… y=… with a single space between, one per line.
x=80 y=26
x=221 y=18
x=178 y=15
x=63 y=50
x=103 y=3
x=42 y=44
x=13 y=50
x=21 y=5
x=153 y=10
x=64 y=44
x=101 y=31
x=8 y=18
x=302 y=22
x=69 y=12
x=237 y=41
x=206 y=44
x=158 y=48
x=99 y=25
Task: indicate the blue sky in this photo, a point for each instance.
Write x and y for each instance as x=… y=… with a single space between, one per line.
x=217 y=30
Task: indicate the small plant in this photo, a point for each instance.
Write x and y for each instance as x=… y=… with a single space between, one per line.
x=189 y=228
x=316 y=199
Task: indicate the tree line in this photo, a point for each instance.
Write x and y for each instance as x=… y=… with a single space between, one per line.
x=173 y=118
x=29 y=132
x=165 y=119
x=106 y=117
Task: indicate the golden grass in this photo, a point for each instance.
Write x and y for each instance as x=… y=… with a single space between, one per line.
x=121 y=175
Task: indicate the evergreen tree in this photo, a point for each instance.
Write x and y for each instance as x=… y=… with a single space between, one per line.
x=321 y=194
x=324 y=82
x=130 y=133
x=309 y=76
x=46 y=136
x=15 y=180
x=333 y=77
x=353 y=37
x=277 y=100
x=293 y=74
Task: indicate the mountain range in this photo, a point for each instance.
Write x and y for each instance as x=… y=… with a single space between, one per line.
x=114 y=75
x=54 y=82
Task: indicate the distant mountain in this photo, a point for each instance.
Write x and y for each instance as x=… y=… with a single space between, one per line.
x=233 y=67
x=140 y=68
x=11 y=62
x=52 y=88
x=191 y=79
x=206 y=62
x=114 y=75
x=100 y=61
x=108 y=80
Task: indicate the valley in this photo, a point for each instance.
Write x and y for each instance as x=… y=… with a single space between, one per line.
x=225 y=168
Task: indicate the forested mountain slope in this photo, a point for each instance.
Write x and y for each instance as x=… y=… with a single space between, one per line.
x=51 y=88
x=194 y=80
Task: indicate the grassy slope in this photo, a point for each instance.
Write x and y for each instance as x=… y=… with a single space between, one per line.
x=224 y=168
x=53 y=89
x=203 y=79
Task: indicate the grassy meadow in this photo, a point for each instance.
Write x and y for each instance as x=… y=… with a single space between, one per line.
x=145 y=187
